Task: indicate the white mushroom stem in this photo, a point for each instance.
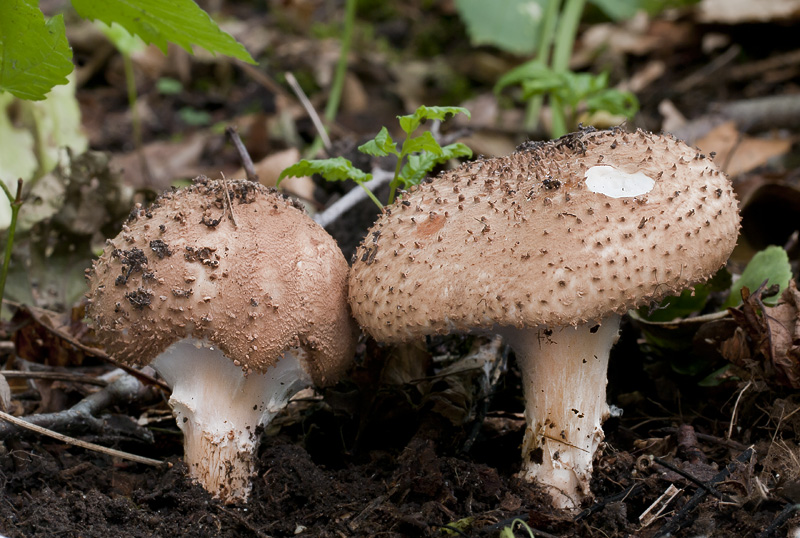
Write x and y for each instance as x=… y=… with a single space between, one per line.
x=564 y=378
x=219 y=409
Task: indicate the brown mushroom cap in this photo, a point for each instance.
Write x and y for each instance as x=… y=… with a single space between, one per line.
x=522 y=241
x=272 y=281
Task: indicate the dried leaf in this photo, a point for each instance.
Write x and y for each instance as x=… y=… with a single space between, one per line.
x=783 y=323
x=5 y=395
x=739 y=153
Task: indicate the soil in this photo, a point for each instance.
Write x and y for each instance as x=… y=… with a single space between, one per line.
x=394 y=449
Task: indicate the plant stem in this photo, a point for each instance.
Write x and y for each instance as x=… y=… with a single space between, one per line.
x=337 y=86
x=547 y=30
x=562 y=51
x=16 y=203
x=371 y=195
x=341 y=68
x=567 y=30
x=396 y=179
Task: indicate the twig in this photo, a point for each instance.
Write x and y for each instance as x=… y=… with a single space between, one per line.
x=298 y=91
x=784 y=515
x=16 y=203
x=262 y=78
x=735 y=445
x=91 y=351
x=735 y=405
x=750 y=115
x=82 y=417
x=354 y=196
x=228 y=200
x=690 y=478
x=77 y=442
x=599 y=505
x=244 y=156
x=677 y=521
x=54 y=376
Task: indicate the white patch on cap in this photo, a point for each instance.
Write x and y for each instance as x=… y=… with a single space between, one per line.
x=607 y=180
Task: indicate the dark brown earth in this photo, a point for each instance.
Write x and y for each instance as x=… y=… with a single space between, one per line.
x=397 y=449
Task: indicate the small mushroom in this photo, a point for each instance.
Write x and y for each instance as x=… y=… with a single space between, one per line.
x=561 y=238
x=238 y=299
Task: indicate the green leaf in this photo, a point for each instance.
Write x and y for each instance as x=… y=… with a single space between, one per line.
x=454 y=151
x=532 y=70
x=689 y=301
x=416 y=168
x=380 y=146
x=618 y=10
x=771 y=264
x=511 y=25
x=161 y=21
x=423 y=142
x=336 y=169
x=34 y=53
x=410 y=122
x=719 y=376
x=124 y=41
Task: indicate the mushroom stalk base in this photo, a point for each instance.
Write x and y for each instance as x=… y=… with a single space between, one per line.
x=220 y=409
x=564 y=378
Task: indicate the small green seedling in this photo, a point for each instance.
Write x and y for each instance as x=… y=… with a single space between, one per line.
x=508 y=532
x=570 y=91
x=415 y=159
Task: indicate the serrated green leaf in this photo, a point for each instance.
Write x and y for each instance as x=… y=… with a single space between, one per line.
x=34 y=53
x=454 y=151
x=409 y=123
x=380 y=146
x=423 y=142
x=336 y=169
x=161 y=21
x=770 y=264
x=511 y=25
x=416 y=168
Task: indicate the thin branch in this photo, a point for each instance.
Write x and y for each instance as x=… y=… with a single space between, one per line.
x=54 y=376
x=77 y=442
x=81 y=417
x=244 y=155
x=91 y=351
x=353 y=197
x=228 y=200
x=323 y=134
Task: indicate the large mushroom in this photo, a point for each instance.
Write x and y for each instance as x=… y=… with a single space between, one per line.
x=547 y=247
x=238 y=299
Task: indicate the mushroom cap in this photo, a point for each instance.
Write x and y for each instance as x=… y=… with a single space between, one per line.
x=550 y=235
x=257 y=285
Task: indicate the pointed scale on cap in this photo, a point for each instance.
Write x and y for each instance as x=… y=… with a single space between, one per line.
x=558 y=233
x=258 y=284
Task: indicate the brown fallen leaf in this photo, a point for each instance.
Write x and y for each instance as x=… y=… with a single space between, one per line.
x=166 y=161
x=783 y=323
x=269 y=168
x=738 y=153
x=766 y=343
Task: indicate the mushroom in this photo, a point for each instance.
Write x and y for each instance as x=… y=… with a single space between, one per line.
x=547 y=247
x=238 y=299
